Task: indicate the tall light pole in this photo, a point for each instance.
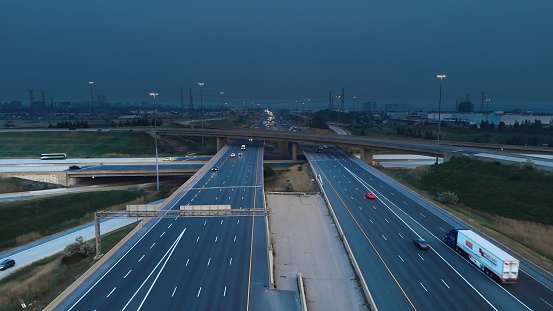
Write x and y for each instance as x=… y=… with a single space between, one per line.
x=441 y=77
x=222 y=105
x=92 y=98
x=487 y=112
x=201 y=84
x=155 y=137
x=308 y=112
x=354 y=115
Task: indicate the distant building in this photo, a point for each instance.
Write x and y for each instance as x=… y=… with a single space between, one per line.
x=465 y=106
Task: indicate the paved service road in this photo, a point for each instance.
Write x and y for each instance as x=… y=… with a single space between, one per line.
x=203 y=263
x=400 y=276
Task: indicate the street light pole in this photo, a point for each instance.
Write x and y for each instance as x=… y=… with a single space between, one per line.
x=222 y=105
x=308 y=112
x=354 y=97
x=91 y=98
x=201 y=84
x=155 y=138
x=441 y=77
x=487 y=112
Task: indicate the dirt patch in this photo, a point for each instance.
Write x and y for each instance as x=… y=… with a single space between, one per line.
x=300 y=177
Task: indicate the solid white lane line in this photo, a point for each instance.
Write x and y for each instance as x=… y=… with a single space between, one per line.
x=152 y=245
x=208 y=261
x=216 y=239
x=225 y=292
x=162 y=234
x=199 y=291
x=400 y=258
x=173 y=295
x=445 y=284
x=424 y=287
x=234 y=239
x=141 y=258
x=165 y=258
x=420 y=256
x=111 y=292
x=400 y=235
x=170 y=225
x=186 y=265
x=230 y=262
x=127 y=274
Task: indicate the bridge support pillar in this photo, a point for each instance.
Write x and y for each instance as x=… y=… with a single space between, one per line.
x=283 y=148
x=367 y=155
x=221 y=142
x=295 y=151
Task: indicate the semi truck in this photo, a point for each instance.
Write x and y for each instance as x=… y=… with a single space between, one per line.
x=492 y=260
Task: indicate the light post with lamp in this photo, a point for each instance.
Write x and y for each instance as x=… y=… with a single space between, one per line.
x=91 y=98
x=441 y=77
x=308 y=112
x=201 y=84
x=222 y=105
x=354 y=115
x=155 y=138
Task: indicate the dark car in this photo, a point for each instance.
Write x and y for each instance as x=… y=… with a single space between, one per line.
x=370 y=195
x=421 y=243
x=214 y=169
x=6 y=263
x=74 y=167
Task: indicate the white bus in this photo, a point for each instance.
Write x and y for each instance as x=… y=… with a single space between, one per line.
x=53 y=156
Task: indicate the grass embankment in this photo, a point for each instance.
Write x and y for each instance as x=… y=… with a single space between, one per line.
x=506 y=199
x=78 y=144
x=24 y=221
x=39 y=283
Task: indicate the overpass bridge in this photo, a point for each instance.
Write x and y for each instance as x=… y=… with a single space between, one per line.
x=445 y=150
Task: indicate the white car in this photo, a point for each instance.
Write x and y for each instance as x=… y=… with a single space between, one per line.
x=232 y=155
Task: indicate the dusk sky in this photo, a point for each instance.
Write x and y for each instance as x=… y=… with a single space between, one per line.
x=279 y=51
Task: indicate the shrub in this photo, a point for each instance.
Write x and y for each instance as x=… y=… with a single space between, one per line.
x=268 y=172
x=76 y=251
x=528 y=165
x=448 y=197
x=288 y=186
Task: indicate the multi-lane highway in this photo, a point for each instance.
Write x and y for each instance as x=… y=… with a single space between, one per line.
x=204 y=263
x=399 y=275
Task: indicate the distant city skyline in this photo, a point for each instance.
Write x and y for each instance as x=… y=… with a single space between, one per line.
x=388 y=52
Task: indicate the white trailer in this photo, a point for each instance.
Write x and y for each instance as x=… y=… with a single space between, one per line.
x=488 y=257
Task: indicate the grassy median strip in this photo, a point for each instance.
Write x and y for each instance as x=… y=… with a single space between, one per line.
x=39 y=283
x=28 y=220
